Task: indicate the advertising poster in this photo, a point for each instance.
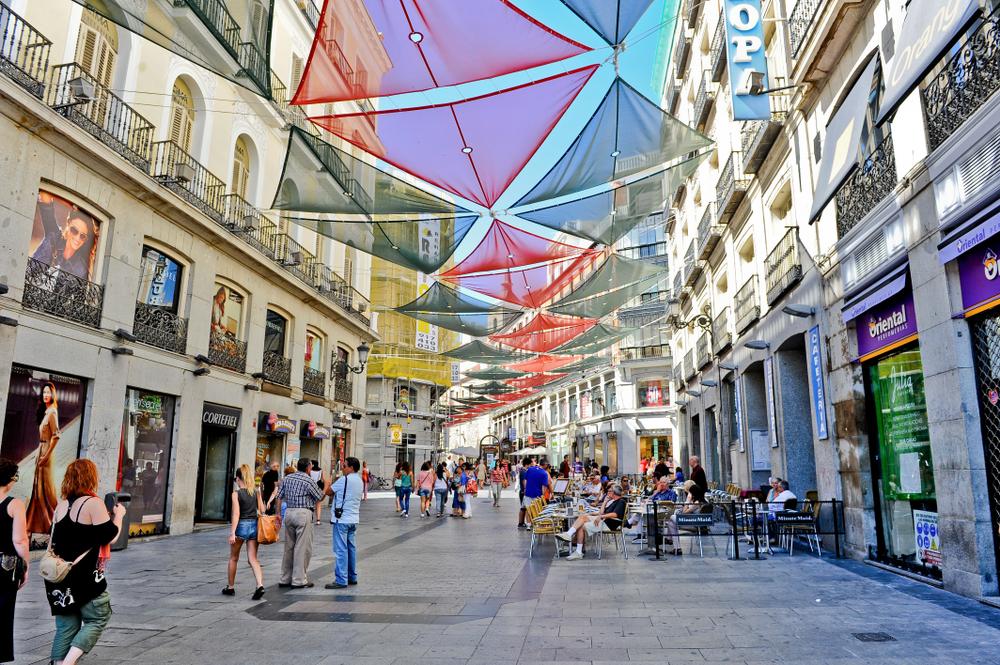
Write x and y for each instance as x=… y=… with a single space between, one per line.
x=64 y=237
x=928 y=540
x=160 y=280
x=314 y=351
x=427 y=334
x=42 y=434
x=651 y=393
x=227 y=311
x=395 y=435
x=144 y=462
x=769 y=394
x=760 y=450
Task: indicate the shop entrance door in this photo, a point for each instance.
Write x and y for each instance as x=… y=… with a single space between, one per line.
x=215 y=474
x=986 y=351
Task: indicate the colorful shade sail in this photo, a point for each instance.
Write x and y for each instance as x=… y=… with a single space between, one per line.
x=611 y=19
x=607 y=302
x=627 y=135
x=505 y=246
x=423 y=44
x=443 y=306
x=597 y=338
x=494 y=374
x=535 y=380
x=543 y=363
x=545 y=332
x=480 y=352
x=582 y=364
x=515 y=396
x=473 y=401
x=474 y=147
x=491 y=388
x=616 y=272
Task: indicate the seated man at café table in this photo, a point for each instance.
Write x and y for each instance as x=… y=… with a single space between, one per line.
x=592 y=487
x=662 y=492
x=609 y=519
x=784 y=494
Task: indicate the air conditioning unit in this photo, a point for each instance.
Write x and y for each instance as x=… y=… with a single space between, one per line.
x=294 y=259
x=362 y=306
x=183 y=173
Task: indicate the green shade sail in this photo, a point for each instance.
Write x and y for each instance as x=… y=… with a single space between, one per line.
x=494 y=374
x=609 y=301
x=491 y=388
x=599 y=337
x=444 y=306
x=480 y=352
x=473 y=401
x=584 y=364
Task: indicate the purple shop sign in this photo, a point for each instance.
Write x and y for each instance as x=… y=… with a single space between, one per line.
x=890 y=322
x=978 y=274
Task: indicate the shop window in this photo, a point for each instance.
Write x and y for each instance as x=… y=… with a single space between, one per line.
x=64 y=237
x=553 y=412
x=160 y=280
x=241 y=168
x=314 y=351
x=182 y=115
x=652 y=393
x=275 y=331
x=147 y=441
x=227 y=311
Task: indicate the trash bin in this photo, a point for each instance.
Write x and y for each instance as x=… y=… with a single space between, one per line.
x=110 y=500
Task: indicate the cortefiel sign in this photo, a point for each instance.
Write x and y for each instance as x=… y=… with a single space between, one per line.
x=745 y=53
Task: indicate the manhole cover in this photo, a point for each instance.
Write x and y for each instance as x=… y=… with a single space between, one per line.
x=874 y=637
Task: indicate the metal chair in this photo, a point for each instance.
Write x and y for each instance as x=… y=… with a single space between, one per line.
x=542 y=526
x=706 y=509
x=618 y=535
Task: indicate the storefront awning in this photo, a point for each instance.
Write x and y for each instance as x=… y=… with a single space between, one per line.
x=843 y=136
x=928 y=29
x=886 y=288
x=981 y=227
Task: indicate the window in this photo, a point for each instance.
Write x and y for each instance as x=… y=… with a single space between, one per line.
x=314 y=351
x=227 y=311
x=349 y=265
x=573 y=413
x=97 y=47
x=652 y=393
x=409 y=439
x=64 y=237
x=340 y=361
x=182 y=115
x=275 y=328
x=297 y=66
x=241 y=168
x=610 y=398
x=553 y=412
x=597 y=401
x=159 y=280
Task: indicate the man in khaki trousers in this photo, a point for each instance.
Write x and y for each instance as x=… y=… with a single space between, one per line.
x=300 y=493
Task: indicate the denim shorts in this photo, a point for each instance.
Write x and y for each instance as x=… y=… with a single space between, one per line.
x=424 y=492
x=247 y=529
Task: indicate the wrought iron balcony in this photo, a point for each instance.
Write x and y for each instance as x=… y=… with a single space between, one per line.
x=107 y=117
x=703 y=103
x=964 y=83
x=692 y=266
x=731 y=188
x=866 y=187
x=683 y=53
x=214 y=16
x=673 y=96
x=336 y=289
x=709 y=232
x=718 y=52
x=160 y=328
x=253 y=65
x=296 y=259
x=757 y=136
x=693 y=10
x=314 y=382
x=690 y=370
x=670 y=223
x=24 y=52
x=227 y=351
x=649 y=250
x=629 y=353
x=310 y=11
x=342 y=174
x=277 y=368
x=678 y=283
x=57 y=292
x=703 y=352
x=746 y=305
x=800 y=22
x=721 y=336
x=343 y=390
x=783 y=266
x=183 y=174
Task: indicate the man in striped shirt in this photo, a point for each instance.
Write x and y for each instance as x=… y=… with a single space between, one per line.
x=301 y=493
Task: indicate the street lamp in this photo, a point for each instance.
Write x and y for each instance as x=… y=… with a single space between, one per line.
x=363 y=351
x=757 y=344
x=800 y=311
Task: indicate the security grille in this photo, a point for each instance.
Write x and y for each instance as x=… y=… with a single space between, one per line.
x=986 y=348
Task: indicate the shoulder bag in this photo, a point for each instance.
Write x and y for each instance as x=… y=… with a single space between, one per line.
x=267 y=529
x=52 y=567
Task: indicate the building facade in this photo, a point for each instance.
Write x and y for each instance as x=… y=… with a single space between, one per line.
x=156 y=320
x=835 y=282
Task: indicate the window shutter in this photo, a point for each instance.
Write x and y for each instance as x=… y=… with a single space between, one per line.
x=85 y=46
x=296 y=71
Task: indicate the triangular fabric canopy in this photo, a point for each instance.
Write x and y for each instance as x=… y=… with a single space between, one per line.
x=545 y=332
x=494 y=374
x=529 y=287
x=628 y=134
x=505 y=246
x=491 y=388
x=599 y=337
x=421 y=244
x=583 y=364
x=543 y=363
x=514 y=396
x=535 y=380
x=319 y=177
x=607 y=302
x=607 y=216
x=611 y=19
x=474 y=147
x=427 y=44
x=473 y=401
x=616 y=272
x=480 y=352
x=443 y=306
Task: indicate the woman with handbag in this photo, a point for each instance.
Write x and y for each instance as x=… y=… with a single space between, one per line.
x=13 y=556
x=74 y=565
x=247 y=504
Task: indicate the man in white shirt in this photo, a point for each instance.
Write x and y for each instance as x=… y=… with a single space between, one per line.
x=450 y=464
x=347 y=492
x=784 y=495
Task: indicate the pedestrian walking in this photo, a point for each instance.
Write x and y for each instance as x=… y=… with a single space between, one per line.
x=301 y=493
x=269 y=485
x=441 y=488
x=459 y=482
x=82 y=533
x=481 y=472
x=366 y=478
x=405 y=488
x=397 y=483
x=317 y=475
x=246 y=505
x=425 y=487
x=347 y=492
x=471 y=490
x=498 y=481
x=13 y=554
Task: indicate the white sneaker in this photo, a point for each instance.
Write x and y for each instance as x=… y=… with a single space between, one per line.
x=565 y=536
x=466 y=517
x=575 y=556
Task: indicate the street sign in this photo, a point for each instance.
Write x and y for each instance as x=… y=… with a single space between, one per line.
x=746 y=57
x=395 y=435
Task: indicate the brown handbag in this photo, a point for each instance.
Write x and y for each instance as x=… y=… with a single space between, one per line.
x=267 y=529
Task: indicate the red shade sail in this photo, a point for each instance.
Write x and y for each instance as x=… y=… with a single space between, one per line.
x=543 y=363
x=534 y=381
x=505 y=246
x=529 y=287
x=545 y=332
x=411 y=45
x=513 y=397
x=473 y=148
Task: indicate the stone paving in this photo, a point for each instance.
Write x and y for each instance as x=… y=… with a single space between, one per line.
x=447 y=591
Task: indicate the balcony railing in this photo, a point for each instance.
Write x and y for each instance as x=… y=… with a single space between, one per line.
x=647 y=251
x=683 y=56
x=253 y=65
x=966 y=80
x=709 y=232
x=757 y=137
x=340 y=60
x=183 y=174
x=336 y=289
x=343 y=390
x=227 y=351
x=692 y=266
x=673 y=97
x=106 y=117
x=314 y=382
x=214 y=15
x=721 y=336
x=868 y=185
x=297 y=260
x=703 y=103
x=731 y=188
x=783 y=266
x=24 y=52
x=310 y=11
x=693 y=9
x=57 y=292
x=689 y=367
x=800 y=22
x=746 y=306
x=277 y=368
x=703 y=351
x=718 y=51
x=160 y=328
x=642 y=352
x=678 y=284
x=678 y=375
x=342 y=174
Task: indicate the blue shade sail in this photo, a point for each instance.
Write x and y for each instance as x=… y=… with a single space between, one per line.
x=611 y=19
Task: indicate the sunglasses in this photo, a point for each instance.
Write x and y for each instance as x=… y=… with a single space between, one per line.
x=73 y=231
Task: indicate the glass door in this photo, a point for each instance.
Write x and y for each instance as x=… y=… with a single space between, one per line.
x=215 y=474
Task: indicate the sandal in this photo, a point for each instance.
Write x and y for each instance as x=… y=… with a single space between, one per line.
x=258 y=593
x=229 y=591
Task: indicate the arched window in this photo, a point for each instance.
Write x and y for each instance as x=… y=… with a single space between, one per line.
x=241 y=168
x=97 y=46
x=182 y=115
x=160 y=280
x=275 y=330
x=314 y=351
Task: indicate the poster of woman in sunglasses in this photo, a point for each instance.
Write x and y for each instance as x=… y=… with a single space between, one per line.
x=64 y=237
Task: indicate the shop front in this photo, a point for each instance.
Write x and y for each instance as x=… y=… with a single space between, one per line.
x=311 y=438
x=216 y=462
x=905 y=499
x=655 y=444
x=144 y=460
x=272 y=441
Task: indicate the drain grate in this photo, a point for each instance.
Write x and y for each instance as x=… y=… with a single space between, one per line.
x=874 y=637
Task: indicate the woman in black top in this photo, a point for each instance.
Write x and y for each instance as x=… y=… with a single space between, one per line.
x=247 y=503
x=81 y=528
x=14 y=553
